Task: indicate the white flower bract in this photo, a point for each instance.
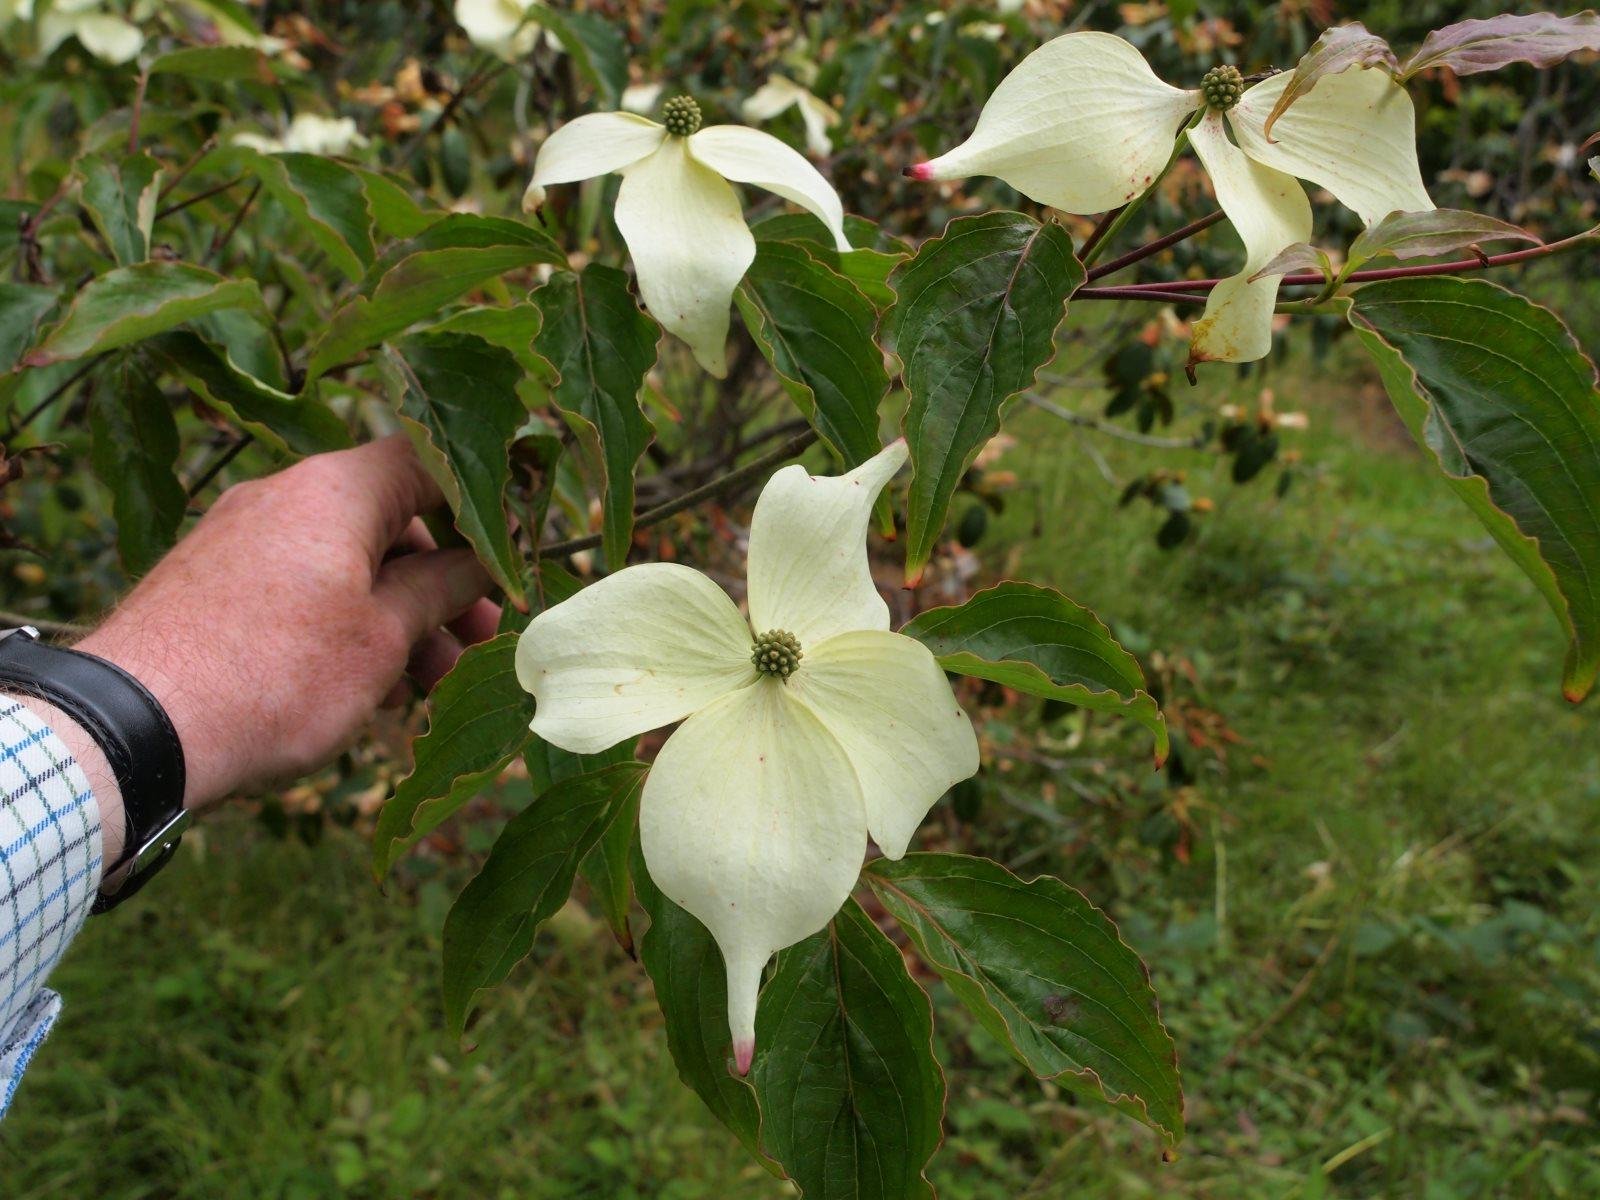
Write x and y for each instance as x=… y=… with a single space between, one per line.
x=780 y=93
x=678 y=213
x=1083 y=124
x=756 y=813
x=308 y=133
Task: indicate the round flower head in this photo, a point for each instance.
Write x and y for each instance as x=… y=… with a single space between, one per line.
x=805 y=730
x=1084 y=125
x=677 y=211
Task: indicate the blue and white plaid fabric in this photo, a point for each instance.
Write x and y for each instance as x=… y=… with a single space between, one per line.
x=49 y=873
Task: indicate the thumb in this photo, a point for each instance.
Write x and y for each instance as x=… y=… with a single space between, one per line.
x=426 y=589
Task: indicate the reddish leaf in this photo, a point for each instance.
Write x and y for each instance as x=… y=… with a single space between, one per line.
x=1469 y=47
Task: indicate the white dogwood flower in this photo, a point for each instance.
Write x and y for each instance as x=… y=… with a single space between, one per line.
x=779 y=94
x=676 y=210
x=809 y=727
x=99 y=27
x=502 y=27
x=308 y=133
x=1084 y=125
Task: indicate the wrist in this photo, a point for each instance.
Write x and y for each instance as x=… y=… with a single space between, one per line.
x=203 y=781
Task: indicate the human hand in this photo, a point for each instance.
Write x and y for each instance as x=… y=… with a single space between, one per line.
x=278 y=625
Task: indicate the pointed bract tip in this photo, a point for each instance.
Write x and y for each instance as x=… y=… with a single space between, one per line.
x=744 y=1053
x=1574 y=694
x=922 y=172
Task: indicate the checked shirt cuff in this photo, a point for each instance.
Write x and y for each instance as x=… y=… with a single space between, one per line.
x=49 y=873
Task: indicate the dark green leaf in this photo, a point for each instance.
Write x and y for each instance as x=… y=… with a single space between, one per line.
x=22 y=307
x=120 y=197
x=478 y=721
x=458 y=395
x=597 y=46
x=325 y=198
x=1496 y=389
x=868 y=266
x=607 y=870
x=1045 y=972
x=130 y=304
x=395 y=214
x=816 y=329
x=527 y=877
x=1034 y=639
x=603 y=346
x=216 y=64
x=419 y=277
x=975 y=319
x=851 y=1097
x=691 y=986
x=301 y=424
x=135 y=446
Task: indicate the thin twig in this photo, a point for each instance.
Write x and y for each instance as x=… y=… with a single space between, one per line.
x=1135 y=291
x=1310 y=279
x=1099 y=232
x=1157 y=246
x=218 y=463
x=226 y=235
x=480 y=78
x=56 y=393
x=1084 y=421
x=1290 y=1003
x=206 y=147
x=728 y=482
x=163 y=213
x=138 y=110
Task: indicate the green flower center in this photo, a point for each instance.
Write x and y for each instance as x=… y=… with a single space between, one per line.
x=1222 y=87
x=776 y=652
x=681 y=116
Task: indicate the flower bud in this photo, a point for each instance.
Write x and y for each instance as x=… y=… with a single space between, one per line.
x=681 y=116
x=1222 y=87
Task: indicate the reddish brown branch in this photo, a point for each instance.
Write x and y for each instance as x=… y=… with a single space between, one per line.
x=1157 y=246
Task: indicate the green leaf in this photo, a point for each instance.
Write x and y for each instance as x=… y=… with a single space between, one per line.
x=607 y=868
x=1046 y=973
x=301 y=424
x=1034 y=639
x=457 y=394
x=603 y=346
x=868 y=266
x=395 y=213
x=526 y=878
x=325 y=198
x=975 y=319
x=851 y=1097
x=477 y=723
x=1426 y=234
x=816 y=329
x=120 y=197
x=130 y=304
x=22 y=307
x=1497 y=390
x=691 y=984
x=597 y=46
x=215 y=64
x=416 y=279
x=134 y=449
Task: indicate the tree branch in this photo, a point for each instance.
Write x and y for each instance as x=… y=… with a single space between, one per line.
x=1157 y=246
x=728 y=482
x=1084 y=421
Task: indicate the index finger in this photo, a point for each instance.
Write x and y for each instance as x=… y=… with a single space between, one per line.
x=386 y=486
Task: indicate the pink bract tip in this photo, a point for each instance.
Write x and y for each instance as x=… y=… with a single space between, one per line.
x=922 y=172
x=744 y=1053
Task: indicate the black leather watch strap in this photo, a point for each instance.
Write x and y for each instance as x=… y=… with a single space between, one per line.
x=132 y=729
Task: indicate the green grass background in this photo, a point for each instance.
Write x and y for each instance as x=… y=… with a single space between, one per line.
x=1380 y=961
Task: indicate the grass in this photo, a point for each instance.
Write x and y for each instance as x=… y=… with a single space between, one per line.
x=1374 y=923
